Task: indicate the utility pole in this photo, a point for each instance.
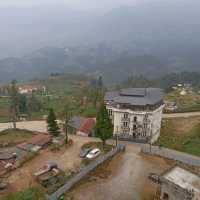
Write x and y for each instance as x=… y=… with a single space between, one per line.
x=117 y=131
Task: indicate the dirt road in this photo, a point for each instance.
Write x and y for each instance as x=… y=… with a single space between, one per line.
x=38 y=126
x=128 y=179
x=181 y=115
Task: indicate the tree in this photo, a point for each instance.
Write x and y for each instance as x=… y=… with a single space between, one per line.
x=104 y=127
x=34 y=105
x=67 y=119
x=100 y=83
x=52 y=123
x=14 y=103
x=23 y=107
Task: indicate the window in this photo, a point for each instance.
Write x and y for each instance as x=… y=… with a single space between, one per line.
x=135 y=119
x=110 y=112
x=134 y=127
x=125 y=124
x=125 y=115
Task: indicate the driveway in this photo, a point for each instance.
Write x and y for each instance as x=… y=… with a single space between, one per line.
x=128 y=179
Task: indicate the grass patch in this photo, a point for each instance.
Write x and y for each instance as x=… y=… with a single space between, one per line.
x=29 y=194
x=187 y=103
x=12 y=137
x=187 y=141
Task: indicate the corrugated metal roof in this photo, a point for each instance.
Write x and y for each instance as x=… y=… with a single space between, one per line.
x=87 y=125
x=40 y=139
x=76 y=122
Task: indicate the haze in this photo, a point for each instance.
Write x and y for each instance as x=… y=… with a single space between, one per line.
x=99 y=33
x=76 y=4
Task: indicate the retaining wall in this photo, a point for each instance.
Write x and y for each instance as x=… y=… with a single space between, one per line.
x=171 y=154
x=85 y=171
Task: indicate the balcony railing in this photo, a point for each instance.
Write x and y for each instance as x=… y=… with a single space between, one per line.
x=123 y=119
x=125 y=128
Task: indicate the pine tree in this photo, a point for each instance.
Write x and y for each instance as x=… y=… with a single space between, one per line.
x=14 y=102
x=52 y=123
x=67 y=119
x=104 y=127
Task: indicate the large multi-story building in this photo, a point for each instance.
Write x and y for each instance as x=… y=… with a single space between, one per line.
x=136 y=113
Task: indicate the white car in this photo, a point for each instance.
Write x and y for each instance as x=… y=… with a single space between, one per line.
x=93 y=154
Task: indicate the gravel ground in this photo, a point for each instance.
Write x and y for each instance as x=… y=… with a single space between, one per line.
x=67 y=159
x=128 y=179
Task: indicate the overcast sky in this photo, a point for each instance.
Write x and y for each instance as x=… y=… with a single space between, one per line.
x=76 y=4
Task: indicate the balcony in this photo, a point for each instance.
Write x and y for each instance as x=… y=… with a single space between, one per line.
x=125 y=128
x=123 y=119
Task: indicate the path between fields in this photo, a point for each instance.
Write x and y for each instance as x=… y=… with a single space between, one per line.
x=181 y=115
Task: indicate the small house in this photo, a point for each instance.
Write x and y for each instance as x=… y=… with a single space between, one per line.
x=179 y=184
x=82 y=126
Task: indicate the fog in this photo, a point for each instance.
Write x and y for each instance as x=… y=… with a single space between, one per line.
x=98 y=32
x=88 y=5
x=27 y=25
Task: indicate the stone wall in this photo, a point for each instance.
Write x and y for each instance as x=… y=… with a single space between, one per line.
x=171 y=154
x=85 y=171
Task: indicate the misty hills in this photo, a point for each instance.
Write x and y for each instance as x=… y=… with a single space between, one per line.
x=152 y=38
x=96 y=60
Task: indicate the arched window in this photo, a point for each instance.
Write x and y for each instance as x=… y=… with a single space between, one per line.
x=135 y=119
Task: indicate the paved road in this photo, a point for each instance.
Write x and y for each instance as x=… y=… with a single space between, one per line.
x=41 y=126
x=181 y=115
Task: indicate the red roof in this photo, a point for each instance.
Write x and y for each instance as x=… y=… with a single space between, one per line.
x=87 y=125
x=39 y=139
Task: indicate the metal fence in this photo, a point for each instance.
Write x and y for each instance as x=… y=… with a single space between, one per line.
x=130 y=138
x=85 y=171
x=171 y=154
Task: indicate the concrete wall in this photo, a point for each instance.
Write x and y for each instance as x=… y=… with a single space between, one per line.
x=171 y=154
x=85 y=171
x=174 y=192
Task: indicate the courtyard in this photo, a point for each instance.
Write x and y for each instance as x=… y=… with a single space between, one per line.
x=124 y=177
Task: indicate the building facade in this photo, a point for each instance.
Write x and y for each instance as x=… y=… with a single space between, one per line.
x=136 y=113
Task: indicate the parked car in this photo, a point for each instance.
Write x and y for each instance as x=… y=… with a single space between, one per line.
x=84 y=152
x=93 y=154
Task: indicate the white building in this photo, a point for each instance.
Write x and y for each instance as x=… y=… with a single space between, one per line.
x=180 y=184
x=136 y=113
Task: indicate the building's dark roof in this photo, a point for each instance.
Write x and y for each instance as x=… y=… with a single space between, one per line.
x=136 y=96
x=76 y=122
